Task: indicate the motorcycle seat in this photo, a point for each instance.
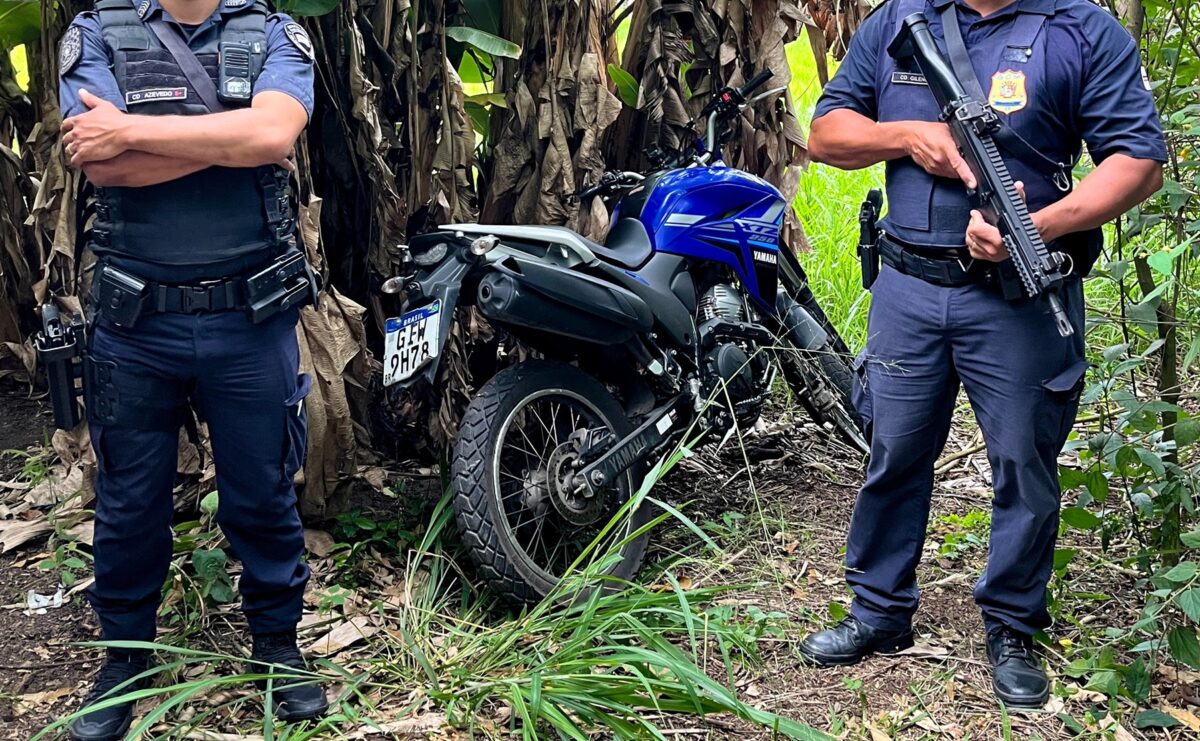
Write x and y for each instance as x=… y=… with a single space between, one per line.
x=628 y=244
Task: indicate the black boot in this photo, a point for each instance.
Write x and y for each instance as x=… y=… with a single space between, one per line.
x=111 y=723
x=1017 y=675
x=851 y=642
x=294 y=699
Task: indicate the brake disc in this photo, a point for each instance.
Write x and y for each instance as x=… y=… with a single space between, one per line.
x=571 y=502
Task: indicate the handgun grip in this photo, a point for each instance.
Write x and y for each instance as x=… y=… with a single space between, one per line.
x=50 y=316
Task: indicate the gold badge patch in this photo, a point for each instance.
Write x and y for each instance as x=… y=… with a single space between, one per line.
x=1008 y=91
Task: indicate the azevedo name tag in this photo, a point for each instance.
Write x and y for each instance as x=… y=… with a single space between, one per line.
x=133 y=97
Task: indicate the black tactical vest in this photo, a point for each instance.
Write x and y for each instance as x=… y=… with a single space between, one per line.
x=211 y=224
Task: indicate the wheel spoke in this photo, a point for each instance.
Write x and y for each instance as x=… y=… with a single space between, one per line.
x=529 y=494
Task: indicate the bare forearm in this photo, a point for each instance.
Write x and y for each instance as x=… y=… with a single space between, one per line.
x=139 y=169
x=241 y=138
x=1117 y=185
x=851 y=141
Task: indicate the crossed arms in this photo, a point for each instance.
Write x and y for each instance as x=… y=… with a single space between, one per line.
x=114 y=148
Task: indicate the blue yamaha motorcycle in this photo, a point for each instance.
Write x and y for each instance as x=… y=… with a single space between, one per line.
x=677 y=325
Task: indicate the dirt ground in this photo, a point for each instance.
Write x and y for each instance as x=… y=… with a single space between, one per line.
x=791 y=508
x=37 y=658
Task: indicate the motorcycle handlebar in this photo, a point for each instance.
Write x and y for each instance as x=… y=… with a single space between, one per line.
x=610 y=181
x=589 y=192
x=755 y=82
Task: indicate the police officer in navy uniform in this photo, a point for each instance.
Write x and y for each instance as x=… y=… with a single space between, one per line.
x=182 y=114
x=1061 y=74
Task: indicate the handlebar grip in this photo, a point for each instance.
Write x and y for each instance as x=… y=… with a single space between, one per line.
x=592 y=191
x=755 y=82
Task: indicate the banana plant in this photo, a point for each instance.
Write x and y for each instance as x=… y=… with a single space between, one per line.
x=19 y=23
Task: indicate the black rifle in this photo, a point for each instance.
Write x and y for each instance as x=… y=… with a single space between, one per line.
x=974 y=124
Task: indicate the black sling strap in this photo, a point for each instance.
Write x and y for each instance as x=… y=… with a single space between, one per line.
x=960 y=58
x=188 y=63
x=1006 y=137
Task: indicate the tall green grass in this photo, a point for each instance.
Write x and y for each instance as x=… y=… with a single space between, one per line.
x=827 y=205
x=585 y=661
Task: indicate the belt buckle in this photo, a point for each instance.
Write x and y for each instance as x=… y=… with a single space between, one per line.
x=199 y=297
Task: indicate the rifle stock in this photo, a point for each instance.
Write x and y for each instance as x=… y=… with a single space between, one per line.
x=973 y=125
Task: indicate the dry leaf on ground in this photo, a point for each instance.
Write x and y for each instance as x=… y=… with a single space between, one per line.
x=422 y=724
x=318 y=542
x=14 y=533
x=345 y=634
x=25 y=703
x=1185 y=717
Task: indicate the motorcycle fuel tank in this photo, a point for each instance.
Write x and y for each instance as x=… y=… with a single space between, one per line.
x=718 y=214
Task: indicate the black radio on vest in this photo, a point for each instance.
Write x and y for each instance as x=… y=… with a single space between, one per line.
x=234 y=71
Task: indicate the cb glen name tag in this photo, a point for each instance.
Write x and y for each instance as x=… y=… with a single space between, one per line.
x=908 y=78
x=134 y=97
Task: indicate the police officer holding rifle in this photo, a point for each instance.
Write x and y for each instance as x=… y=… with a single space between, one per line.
x=182 y=114
x=980 y=283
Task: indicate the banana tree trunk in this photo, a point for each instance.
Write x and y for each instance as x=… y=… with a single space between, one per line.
x=547 y=140
x=682 y=53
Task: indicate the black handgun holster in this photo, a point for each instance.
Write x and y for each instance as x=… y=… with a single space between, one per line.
x=868 y=239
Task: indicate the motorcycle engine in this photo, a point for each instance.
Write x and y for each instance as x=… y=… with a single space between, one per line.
x=732 y=369
x=721 y=302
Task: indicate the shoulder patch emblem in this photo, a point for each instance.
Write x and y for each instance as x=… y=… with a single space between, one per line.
x=299 y=38
x=234 y=3
x=143 y=9
x=1008 y=91
x=70 y=50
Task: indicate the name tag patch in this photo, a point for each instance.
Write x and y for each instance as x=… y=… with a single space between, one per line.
x=1008 y=91
x=908 y=78
x=151 y=95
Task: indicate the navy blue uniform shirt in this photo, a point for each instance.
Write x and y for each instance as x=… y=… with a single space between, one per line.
x=286 y=69
x=1079 y=80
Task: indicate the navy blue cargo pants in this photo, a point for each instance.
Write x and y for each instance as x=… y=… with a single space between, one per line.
x=1023 y=381
x=243 y=381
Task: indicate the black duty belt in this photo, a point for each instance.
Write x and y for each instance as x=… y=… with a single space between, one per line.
x=216 y=296
x=286 y=283
x=947 y=268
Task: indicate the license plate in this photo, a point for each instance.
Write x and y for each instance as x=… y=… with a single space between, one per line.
x=411 y=342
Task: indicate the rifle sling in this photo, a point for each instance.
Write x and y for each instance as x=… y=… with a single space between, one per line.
x=1005 y=137
x=188 y=63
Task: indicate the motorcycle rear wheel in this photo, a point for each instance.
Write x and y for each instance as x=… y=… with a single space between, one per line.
x=522 y=530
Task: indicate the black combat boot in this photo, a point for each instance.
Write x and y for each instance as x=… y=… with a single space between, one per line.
x=1017 y=675
x=111 y=723
x=294 y=699
x=851 y=642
